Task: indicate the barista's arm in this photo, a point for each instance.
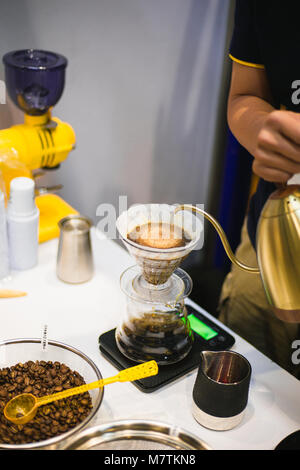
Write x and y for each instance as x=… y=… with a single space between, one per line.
x=271 y=136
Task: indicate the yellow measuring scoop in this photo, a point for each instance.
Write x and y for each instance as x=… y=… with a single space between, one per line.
x=22 y=408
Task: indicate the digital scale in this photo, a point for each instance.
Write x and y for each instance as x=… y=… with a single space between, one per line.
x=208 y=335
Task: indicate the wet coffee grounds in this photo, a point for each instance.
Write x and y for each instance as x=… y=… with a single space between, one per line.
x=42 y=378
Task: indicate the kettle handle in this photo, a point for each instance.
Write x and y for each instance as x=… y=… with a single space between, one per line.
x=222 y=235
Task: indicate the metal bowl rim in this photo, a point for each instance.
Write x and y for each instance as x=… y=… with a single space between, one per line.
x=168 y=434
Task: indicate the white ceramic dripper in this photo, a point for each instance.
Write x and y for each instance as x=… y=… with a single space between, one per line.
x=158 y=264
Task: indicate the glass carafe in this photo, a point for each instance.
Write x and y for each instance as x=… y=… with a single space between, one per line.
x=156 y=324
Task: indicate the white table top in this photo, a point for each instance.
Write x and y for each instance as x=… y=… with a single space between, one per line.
x=78 y=314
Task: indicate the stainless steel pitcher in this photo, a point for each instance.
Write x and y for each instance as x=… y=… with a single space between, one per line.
x=74 y=258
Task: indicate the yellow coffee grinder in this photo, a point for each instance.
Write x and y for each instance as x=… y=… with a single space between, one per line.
x=35 y=81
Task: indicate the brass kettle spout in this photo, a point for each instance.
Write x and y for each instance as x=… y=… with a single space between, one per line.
x=222 y=235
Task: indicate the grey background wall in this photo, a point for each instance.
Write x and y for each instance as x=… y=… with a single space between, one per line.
x=142 y=93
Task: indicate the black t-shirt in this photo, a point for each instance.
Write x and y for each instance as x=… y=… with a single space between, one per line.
x=267 y=36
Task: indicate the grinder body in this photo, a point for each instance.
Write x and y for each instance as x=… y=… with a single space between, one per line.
x=41 y=142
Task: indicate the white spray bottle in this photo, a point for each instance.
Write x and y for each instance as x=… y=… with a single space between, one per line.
x=22 y=224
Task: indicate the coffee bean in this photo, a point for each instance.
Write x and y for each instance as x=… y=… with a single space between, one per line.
x=42 y=378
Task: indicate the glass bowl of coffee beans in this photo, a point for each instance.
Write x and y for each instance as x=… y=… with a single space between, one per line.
x=28 y=366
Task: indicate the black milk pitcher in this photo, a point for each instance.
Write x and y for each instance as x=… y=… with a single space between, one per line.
x=220 y=393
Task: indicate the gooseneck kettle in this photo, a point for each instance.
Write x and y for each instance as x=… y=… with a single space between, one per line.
x=278 y=250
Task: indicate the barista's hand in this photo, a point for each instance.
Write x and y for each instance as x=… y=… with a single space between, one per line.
x=277 y=152
x=271 y=136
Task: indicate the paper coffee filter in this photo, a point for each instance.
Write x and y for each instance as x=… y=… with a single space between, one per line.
x=158 y=264
x=144 y=213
